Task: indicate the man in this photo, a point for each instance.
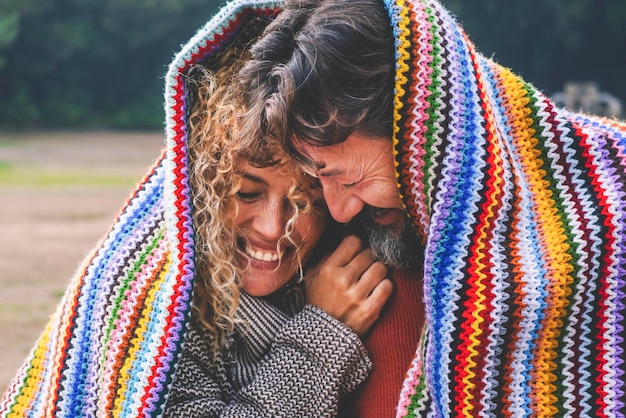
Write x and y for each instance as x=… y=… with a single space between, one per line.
x=517 y=206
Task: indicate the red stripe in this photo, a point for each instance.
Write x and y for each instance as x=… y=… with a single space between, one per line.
x=606 y=261
x=181 y=202
x=485 y=224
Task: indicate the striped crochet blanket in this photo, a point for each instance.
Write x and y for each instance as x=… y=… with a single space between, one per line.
x=521 y=206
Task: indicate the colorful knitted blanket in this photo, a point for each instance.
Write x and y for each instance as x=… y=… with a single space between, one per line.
x=523 y=211
x=520 y=205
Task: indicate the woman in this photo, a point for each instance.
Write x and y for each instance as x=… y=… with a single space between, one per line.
x=252 y=349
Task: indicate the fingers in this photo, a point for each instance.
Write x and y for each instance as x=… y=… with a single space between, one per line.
x=363 y=317
x=350 y=285
x=346 y=251
x=351 y=259
x=373 y=276
x=344 y=266
x=381 y=294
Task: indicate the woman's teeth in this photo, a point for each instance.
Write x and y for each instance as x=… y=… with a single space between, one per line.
x=261 y=256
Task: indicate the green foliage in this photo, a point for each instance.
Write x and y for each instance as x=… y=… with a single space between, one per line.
x=94 y=63
x=145 y=112
x=615 y=17
x=8 y=32
x=551 y=42
x=88 y=63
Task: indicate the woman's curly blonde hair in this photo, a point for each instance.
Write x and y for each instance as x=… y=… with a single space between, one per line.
x=215 y=147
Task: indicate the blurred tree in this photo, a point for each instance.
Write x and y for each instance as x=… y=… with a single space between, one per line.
x=93 y=63
x=552 y=41
x=8 y=32
x=82 y=63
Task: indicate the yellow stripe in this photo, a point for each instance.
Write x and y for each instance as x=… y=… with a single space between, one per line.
x=47 y=351
x=554 y=244
x=33 y=379
x=135 y=343
x=468 y=387
x=401 y=77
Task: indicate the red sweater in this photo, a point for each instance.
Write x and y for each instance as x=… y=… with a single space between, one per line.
x=391 y=345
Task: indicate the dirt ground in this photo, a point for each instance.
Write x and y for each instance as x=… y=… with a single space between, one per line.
x=48 y=227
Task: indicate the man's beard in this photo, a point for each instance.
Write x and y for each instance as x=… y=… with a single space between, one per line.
x=398 y=248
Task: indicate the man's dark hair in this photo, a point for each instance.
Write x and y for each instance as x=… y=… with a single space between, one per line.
x=322 y=70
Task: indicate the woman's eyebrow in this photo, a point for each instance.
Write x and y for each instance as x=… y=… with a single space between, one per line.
x=254 y=178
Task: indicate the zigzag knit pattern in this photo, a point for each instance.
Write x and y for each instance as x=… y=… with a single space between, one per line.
x=108 y=346
x=112 y=346
x=521 y=207
x=523 y=213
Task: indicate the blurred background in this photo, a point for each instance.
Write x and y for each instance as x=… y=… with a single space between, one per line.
x=94 y=63
x=81 y=116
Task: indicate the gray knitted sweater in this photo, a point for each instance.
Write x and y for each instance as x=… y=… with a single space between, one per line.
x=280 y=365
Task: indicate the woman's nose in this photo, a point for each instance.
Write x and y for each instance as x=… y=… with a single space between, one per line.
x=270 y=222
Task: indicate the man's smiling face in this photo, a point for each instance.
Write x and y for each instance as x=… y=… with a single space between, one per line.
x=359 y=182
x=357 y=172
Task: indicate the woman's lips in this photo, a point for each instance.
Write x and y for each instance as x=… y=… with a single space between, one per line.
x=262 y=255
x=264 y=258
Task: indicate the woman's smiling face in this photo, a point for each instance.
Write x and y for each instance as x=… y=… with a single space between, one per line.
x=263 y=211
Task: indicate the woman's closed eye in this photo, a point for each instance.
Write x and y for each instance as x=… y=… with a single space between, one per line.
x=248 y=196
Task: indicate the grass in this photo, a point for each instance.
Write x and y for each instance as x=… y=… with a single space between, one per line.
x=68 y=159
x=12 y=174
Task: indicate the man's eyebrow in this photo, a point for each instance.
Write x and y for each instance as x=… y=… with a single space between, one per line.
x=319 y=166
x=254 y=178
x=330 y=173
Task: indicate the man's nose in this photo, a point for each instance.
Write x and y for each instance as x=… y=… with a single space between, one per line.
x=343 y=206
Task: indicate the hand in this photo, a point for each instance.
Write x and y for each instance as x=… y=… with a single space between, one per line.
x=350 y=285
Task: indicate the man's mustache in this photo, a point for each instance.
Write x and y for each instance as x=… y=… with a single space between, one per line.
x=358 y=225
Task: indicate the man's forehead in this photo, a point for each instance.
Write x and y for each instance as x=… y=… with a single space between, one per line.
x=325 y=161
x=319 y=155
